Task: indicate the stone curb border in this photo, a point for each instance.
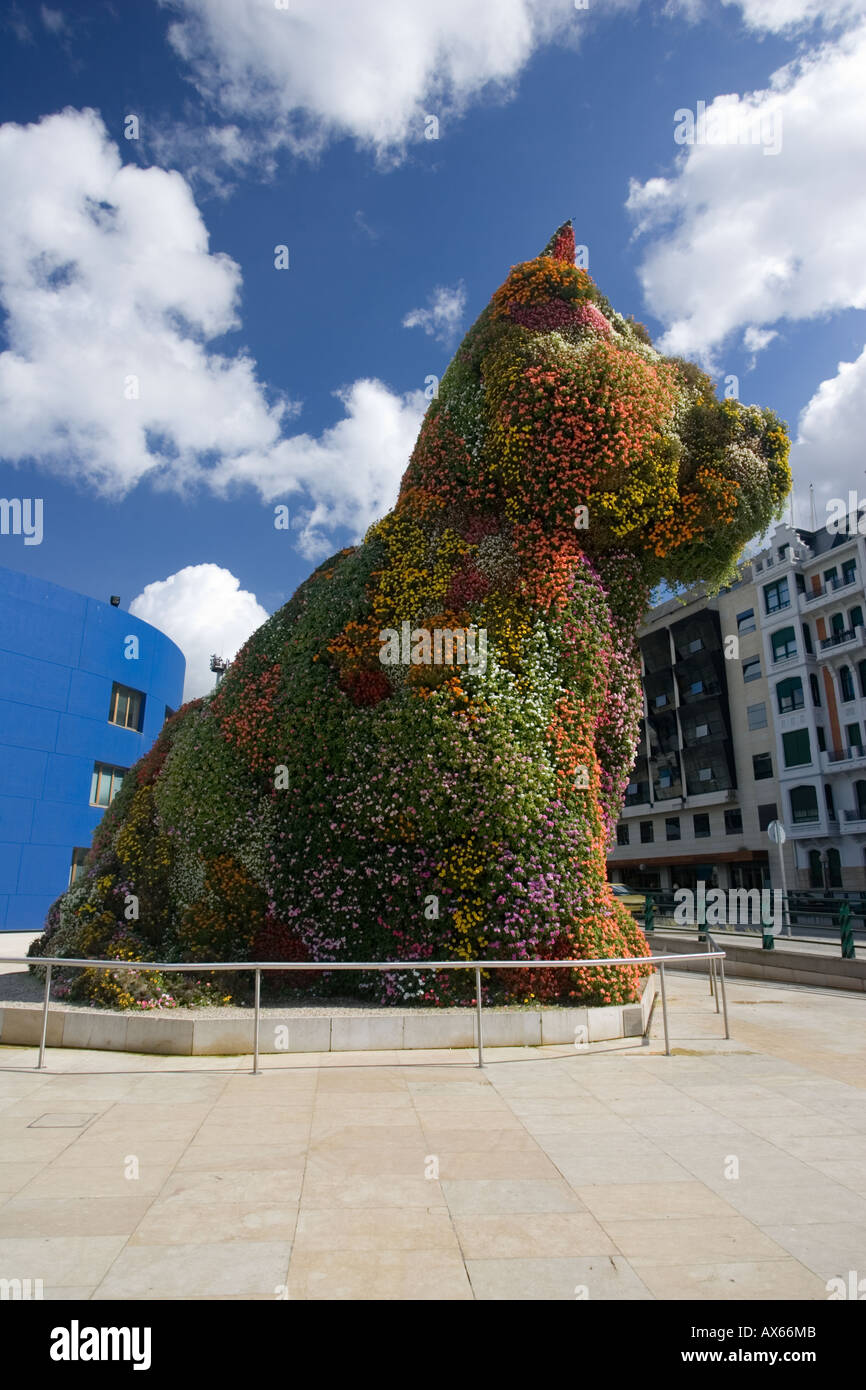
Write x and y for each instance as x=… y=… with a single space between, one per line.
x=752 y=963
x=361 y=1032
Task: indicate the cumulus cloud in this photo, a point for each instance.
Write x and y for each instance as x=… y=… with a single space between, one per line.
x=112 y=297
x=443 y=317
x=352 y=470
x=740 y=240
x=309 y=73
x=829 y=446
x=779 y=16
x=206 y=612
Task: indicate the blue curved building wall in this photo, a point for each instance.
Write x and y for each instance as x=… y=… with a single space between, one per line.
x=60 y=655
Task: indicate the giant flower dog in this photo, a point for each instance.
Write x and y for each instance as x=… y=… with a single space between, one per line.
x=423 y=754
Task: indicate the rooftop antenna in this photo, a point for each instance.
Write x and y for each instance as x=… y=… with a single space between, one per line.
x=812 y=505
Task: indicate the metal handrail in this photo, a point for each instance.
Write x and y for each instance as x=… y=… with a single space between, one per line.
x=258 y=966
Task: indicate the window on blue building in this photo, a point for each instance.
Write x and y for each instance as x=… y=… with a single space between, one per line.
x=76 y=868
x=106 y=783
x=127 y=707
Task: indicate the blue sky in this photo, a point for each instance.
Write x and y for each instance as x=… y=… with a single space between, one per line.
x=305 y=127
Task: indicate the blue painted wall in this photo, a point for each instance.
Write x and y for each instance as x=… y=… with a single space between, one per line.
x=60 y=654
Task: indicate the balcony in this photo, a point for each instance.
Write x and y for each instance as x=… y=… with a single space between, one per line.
x=711 y=690
x=804 y=827
x=844 y=759
x=827 y=592
x=853 y=822
x=844 y=641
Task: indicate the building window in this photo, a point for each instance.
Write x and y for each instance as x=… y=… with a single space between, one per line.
x=796 y=748
x=828 y=797
x=696 y=646
x=665 y=777
x=672 y=828
x=622 y=834
x=733 y=822
x=702 y=730
x=105 y=783
x=784 y=644
x=816 y=689
x=789 y=694
x=661 y=700
x=766 y=814
x=776 y=596
x=127 y=707
x=846 y=684
x=757 y=716
x=804 y=805
x=76 y=868
x=822 y=738
x=696 y=688
x=705 y=774
x=752 y=668
x=816 y=871
x=831 y=578
x=849 y=571
x=762 y=766
x=807 y=639
x=746 y=621
x=861 y=676
x=834 y=868
x=169 y=713
x=853 y=738
x=702 y=826
x=646 y=832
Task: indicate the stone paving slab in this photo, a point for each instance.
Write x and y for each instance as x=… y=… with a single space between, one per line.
x=731 y=1169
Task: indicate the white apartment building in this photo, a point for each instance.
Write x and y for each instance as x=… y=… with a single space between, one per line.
x=754 y=711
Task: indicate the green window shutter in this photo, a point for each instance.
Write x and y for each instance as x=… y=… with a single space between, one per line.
x=796 y=748
x=783 y=642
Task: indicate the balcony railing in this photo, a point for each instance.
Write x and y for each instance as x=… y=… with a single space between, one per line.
x=830 y=587
x=850 y=634
x=844 y=755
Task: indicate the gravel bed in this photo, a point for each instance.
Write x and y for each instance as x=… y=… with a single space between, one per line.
x=18 y=988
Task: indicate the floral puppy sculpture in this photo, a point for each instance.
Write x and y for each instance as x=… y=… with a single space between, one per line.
x=423 y=754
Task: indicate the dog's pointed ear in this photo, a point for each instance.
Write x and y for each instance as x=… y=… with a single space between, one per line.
x=561 y=245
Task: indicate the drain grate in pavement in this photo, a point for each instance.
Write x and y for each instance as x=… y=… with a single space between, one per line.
x=61 y=1121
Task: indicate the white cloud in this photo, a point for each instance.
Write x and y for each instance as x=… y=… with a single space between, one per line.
x=756 y=339
x=206 y=612
x=829 y=447
x=777 y=16
x=745 y=240
x=110 y=288
x=443 y=318
x=312 y=72
x=352 y=470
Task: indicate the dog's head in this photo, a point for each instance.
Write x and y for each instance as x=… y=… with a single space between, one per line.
x=560 y=412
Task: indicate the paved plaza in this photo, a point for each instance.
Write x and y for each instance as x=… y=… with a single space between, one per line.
x=729 y=1170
